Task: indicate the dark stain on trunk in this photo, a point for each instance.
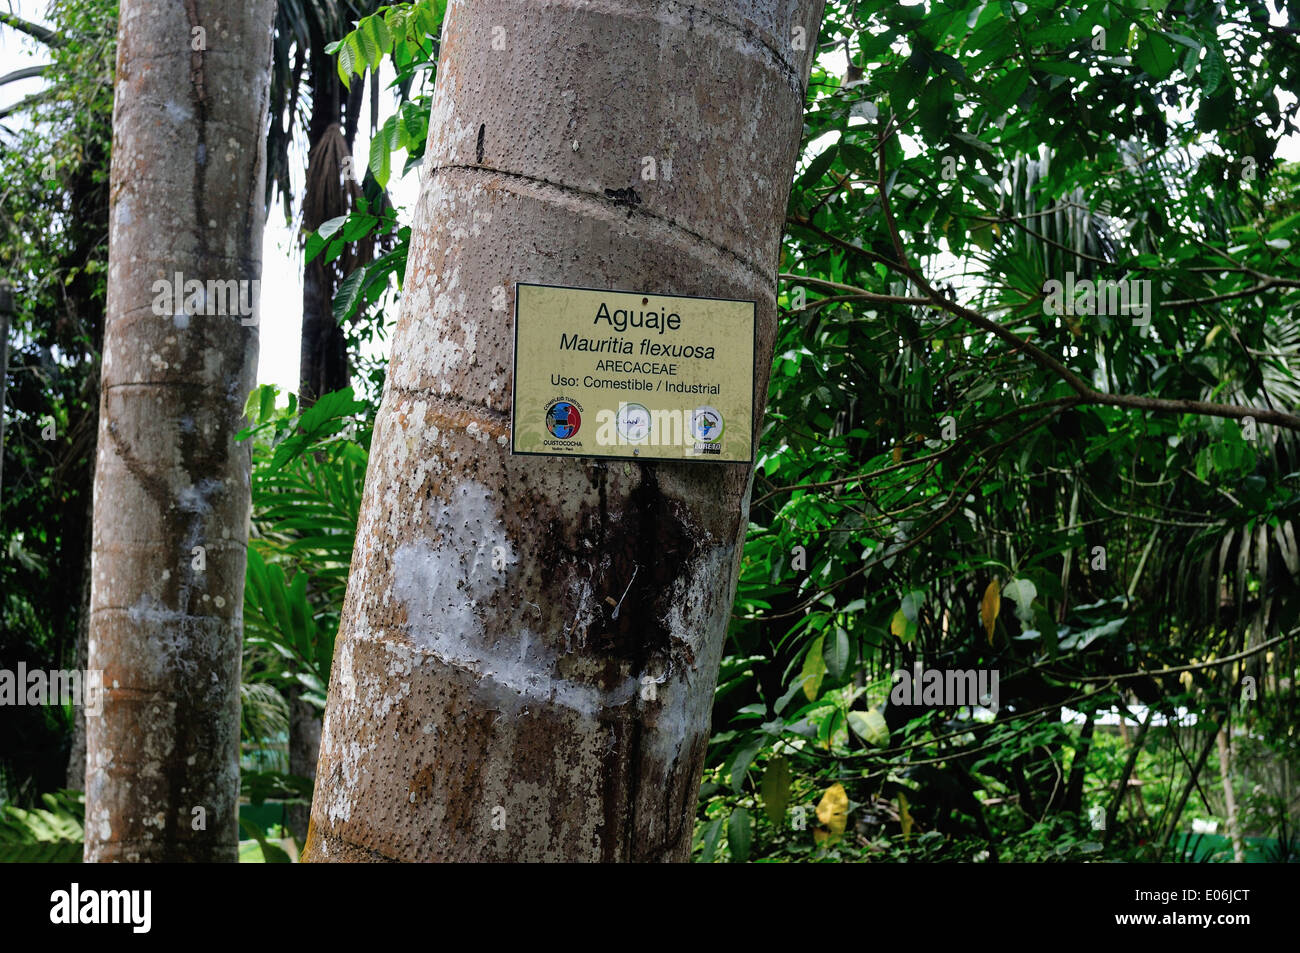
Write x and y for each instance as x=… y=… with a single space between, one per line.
x=653 y=544
x=634 y=554
x=173 y=830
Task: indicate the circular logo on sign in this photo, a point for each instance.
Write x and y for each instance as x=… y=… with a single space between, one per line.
x=562 y=418
x=633 y=421
x=706 y=424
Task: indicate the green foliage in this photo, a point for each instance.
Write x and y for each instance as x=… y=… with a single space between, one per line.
x=366 y=284
x=405 y=32
x=957 y=468
x=54 y=252
x=260 y=788
x=407 y=35
x=308 y=471
x=927 y=491
x=49 y=835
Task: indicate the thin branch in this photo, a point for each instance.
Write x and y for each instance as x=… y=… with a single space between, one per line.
x=1178 y=669
x=1177 y=812
x=27 y=101
x=885 y=206
x=853 y=293
x=35 y=30
x=840 y=243
x=27 y=72
x=1087 y=393
x=1242 y=293
x=978 y=427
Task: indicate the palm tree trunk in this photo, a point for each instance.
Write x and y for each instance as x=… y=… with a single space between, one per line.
x=1224 y=741
x=171 y=483
x=486 y=702
x=323 y=364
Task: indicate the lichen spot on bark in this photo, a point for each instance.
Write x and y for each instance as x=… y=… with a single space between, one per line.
x=445 y=579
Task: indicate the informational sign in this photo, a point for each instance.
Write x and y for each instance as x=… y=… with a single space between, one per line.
x=627 y=374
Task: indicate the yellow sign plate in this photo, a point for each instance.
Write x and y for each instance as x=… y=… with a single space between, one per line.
x=627 y=374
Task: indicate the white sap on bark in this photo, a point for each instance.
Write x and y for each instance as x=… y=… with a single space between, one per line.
x=487 y=701
x=171 y=484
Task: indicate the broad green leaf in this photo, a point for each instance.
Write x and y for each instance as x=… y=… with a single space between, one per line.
x=1008 y=89
x=348 y=296
x=1058 y=34
x=907 y=81
x=712 y=834
x=934 y=106
x=775 y=789
x=381 y=158
x=368 y=40
x=740 y=764
x=351 y=57
x=870 y=726
x=267 y=402
x=911 y=604
x=817 y=168
x=783 y=702
x=1023 y=592
x=1213 y=69
x=740 y=835
x=1156 y=56
x=837 y=650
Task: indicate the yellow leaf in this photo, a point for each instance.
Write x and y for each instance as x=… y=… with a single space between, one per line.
x=989 y=607
x=904 y=816
x=833 y=811
x=814 y=670
x=903 y=627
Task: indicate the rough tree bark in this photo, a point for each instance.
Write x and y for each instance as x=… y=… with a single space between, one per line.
x=485 y=704
x=171 y=484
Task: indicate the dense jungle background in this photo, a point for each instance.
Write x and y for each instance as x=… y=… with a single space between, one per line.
x=956 y=470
